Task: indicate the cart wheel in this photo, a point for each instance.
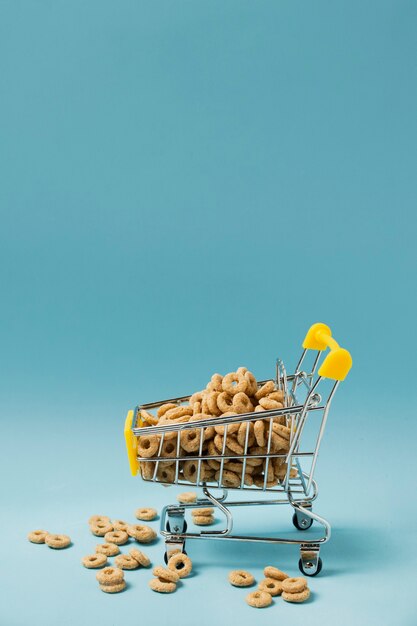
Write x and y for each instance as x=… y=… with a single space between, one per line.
x=306 y=572
x=166 y=556
x=168 y=527
x=306 y=526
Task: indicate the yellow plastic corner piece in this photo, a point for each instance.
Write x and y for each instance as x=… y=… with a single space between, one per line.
x=312 y=341
x=131 y=444
x=338 y=362
x=336 y=365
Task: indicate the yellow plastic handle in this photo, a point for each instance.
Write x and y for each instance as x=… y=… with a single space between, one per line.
x=338 y=362
x=131 y=444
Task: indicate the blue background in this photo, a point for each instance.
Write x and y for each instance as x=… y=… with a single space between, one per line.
x=185 y=188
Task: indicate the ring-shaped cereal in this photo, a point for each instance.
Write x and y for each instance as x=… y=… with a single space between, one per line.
x=267 y=388
x=225 y=402
x=196 y=407
x=148 y=446
x=148 y=417
x=119 y=537
x=279 y=443
x=203 y=520
x=146 y=513
x=101 y=528
x=147 y=469
x=215 y=383
x=110 y=576
x=126 y=561
x=231 y=428
x=241 y=434
x=37 y=536
x=269 y=404
x=166 y=573
x=109 y=549
x=229 y=479
x=252 y=384
x=92 y=561
x=233 y=444
x=181 y=564
x=95 y=519
x=113 y=588
x=259 y=599
x=57 y=542
x=169 y=449
x=208 y=430
x=196 y=397
x=274 y=572
x=119 y=524
x=241 y=403
x=190 y=439
x=140 y=557
x=179 y=411
x=165 y=407
x=211 y=399
x=162 y=586
x=302 y=596
x=165 y=473
x=294 y=585
x=259 y=408
x=241 y=578
x=208 y=510
x=277 y=395
x=271 y=585
x=281 y=430
x=234 y=383
x=187 y=497
x=259 y=431
x=142 y=533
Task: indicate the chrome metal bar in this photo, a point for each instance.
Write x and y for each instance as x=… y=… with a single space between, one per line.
x=321 y=433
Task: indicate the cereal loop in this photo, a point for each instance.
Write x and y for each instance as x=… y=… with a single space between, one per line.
x=114 y=588
x=187 y=497
x=110 y=576
x=165 y=407
x=225 y=401
x=274 y=572
x=57 y=542
x=234 y=383
x=181 y=564
x=119 y=537
x=126 y=561
x=93 y=561
x=241 y=578
x=302 y=596
x=271 y=585
x=294 y=585
x=109 y=549
x=140 y=557
x=241 y=403
x=259 y=599
x=147 y=446
x=146 y=514
x=166 y=573
x=162 y=586
x=37 y=536
x=267 y=388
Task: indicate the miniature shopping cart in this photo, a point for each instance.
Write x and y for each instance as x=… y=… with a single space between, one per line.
x=308 y=394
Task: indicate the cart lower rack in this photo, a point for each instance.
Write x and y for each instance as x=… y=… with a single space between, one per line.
x=288 y=457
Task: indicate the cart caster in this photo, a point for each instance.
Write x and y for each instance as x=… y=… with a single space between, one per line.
x=183 y=551
x=310 y=563
x=301 y=521
x=184 y=527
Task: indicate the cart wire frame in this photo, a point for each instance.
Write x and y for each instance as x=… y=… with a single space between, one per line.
x=297 y=488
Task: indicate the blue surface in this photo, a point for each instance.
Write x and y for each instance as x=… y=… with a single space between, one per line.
x=186 y=187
